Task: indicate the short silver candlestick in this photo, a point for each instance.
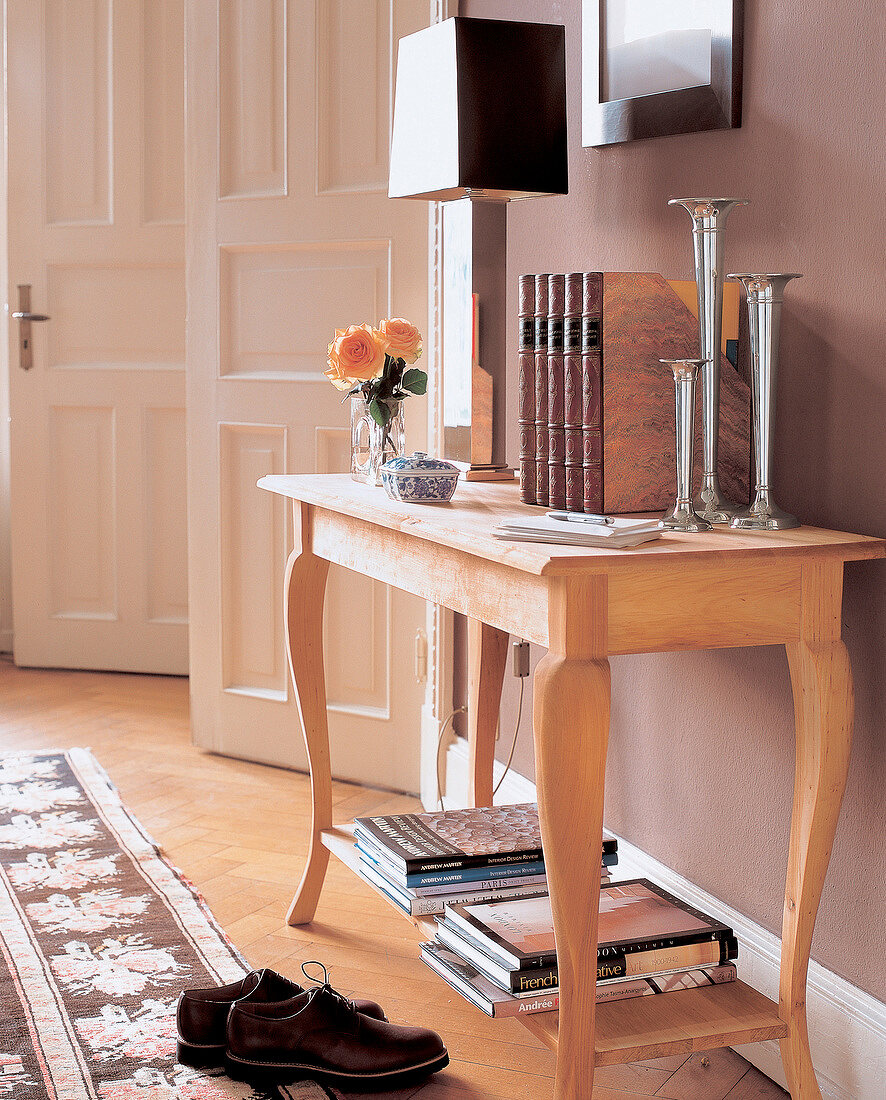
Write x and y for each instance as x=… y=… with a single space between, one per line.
x=765 y=294
x=682 y=517
x=708 y=222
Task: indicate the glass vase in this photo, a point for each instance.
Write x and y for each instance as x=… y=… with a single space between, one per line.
x=371 y=444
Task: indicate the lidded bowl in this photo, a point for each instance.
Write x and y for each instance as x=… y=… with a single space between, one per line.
x=419 y=479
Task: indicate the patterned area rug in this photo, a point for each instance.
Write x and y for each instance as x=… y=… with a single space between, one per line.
x=98 y=935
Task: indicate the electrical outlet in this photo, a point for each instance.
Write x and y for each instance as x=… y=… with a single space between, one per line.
x=520 y=653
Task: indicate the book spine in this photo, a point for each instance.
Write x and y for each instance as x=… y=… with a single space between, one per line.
x=532 y=864
x=652 y=985
x=592 y=390
x=531 y=883
x=556 y=383
x=490 y=868
x=474 y=874
x=526 y=361
x=716 y=974
x=572 y=397
x=432 y=904
x=617 y=991
x=393 y=849
x=541 y=390
x=525 y=1006
x=498 y=889
x=630 y=964
x=534 y=981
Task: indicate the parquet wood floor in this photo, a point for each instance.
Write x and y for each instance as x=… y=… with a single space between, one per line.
x=237 y=830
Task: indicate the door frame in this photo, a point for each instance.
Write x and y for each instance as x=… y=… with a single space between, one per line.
x=438 y=694
x=5 y=516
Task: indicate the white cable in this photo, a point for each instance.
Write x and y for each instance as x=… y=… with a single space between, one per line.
x=514 y=740
x=447 y=721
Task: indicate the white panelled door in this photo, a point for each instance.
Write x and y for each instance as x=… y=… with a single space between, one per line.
x=96 y=229
x=290 y=235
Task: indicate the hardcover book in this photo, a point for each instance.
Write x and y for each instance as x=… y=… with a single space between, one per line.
x=644 y=319
x=419 y=880
x=450 y=840
x=541 y=389
x=489 y=998
x=526 y=364
x=427 y=882
x=429 y=903
x=629 y=321
x=556 y=393
x=592 y=392
x=572 y=396
x=489 y=879
x=636 y=918
x=532 y=979
x=432 y=904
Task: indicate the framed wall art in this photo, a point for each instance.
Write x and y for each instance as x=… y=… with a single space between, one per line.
x=657 y=67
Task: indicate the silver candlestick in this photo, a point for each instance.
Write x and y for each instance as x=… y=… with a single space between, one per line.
x=708 y=221
x=765 y=294
x=682 y=517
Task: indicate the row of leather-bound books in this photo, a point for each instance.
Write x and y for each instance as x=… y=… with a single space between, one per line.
x=561 y=393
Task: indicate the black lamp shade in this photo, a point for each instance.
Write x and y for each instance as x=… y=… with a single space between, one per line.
x=480 y=111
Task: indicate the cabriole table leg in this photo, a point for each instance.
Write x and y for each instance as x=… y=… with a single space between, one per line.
x=303 y=595
x=571 y=726
x=823 y=703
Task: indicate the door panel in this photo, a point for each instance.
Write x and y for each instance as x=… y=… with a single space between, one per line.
x=95 y=216
x=291 y=235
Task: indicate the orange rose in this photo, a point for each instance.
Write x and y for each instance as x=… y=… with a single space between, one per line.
x=357 y=354
x=404 y=339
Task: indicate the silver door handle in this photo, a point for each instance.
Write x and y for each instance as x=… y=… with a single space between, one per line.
x=24 y=317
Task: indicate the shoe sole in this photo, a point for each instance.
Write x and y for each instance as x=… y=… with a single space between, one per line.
x=200 y=1057
x=282 y=1073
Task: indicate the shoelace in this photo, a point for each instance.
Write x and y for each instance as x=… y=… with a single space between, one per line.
x=324 y=984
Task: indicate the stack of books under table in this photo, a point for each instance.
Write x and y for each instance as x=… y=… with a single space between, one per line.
x=500 y=955
x=423 y=862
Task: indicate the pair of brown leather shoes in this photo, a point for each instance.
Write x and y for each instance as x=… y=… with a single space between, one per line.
x=267 y=1029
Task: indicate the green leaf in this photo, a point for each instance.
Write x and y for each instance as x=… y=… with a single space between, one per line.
x=380 y=412
x=415 y=380
x=384 y=387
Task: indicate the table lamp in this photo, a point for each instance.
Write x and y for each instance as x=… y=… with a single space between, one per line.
x=479 y=121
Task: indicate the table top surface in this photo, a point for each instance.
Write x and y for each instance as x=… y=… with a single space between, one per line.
x=467 y=523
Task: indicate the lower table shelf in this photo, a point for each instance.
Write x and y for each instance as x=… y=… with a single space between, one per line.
x=643 y=1027
x=674 y=1023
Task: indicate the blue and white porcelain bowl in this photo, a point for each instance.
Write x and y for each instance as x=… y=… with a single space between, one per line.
x=417 y=479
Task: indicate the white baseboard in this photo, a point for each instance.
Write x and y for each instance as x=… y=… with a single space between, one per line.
x=430 y=735
x=515 y=788
x=847 y=1027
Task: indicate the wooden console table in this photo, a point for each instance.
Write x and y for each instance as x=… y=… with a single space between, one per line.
x=719 y=589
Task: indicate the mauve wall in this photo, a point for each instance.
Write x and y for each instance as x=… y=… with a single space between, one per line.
x=701 y=751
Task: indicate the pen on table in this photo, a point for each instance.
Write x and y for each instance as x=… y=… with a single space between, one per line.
x=581 y=517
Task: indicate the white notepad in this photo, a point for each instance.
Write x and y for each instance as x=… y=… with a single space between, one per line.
x=618 y=533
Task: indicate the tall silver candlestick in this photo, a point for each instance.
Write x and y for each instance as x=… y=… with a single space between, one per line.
x=765 y=294
x=682 y=517
x=708 y=221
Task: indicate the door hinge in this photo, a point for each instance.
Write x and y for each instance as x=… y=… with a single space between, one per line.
x=421 y=656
